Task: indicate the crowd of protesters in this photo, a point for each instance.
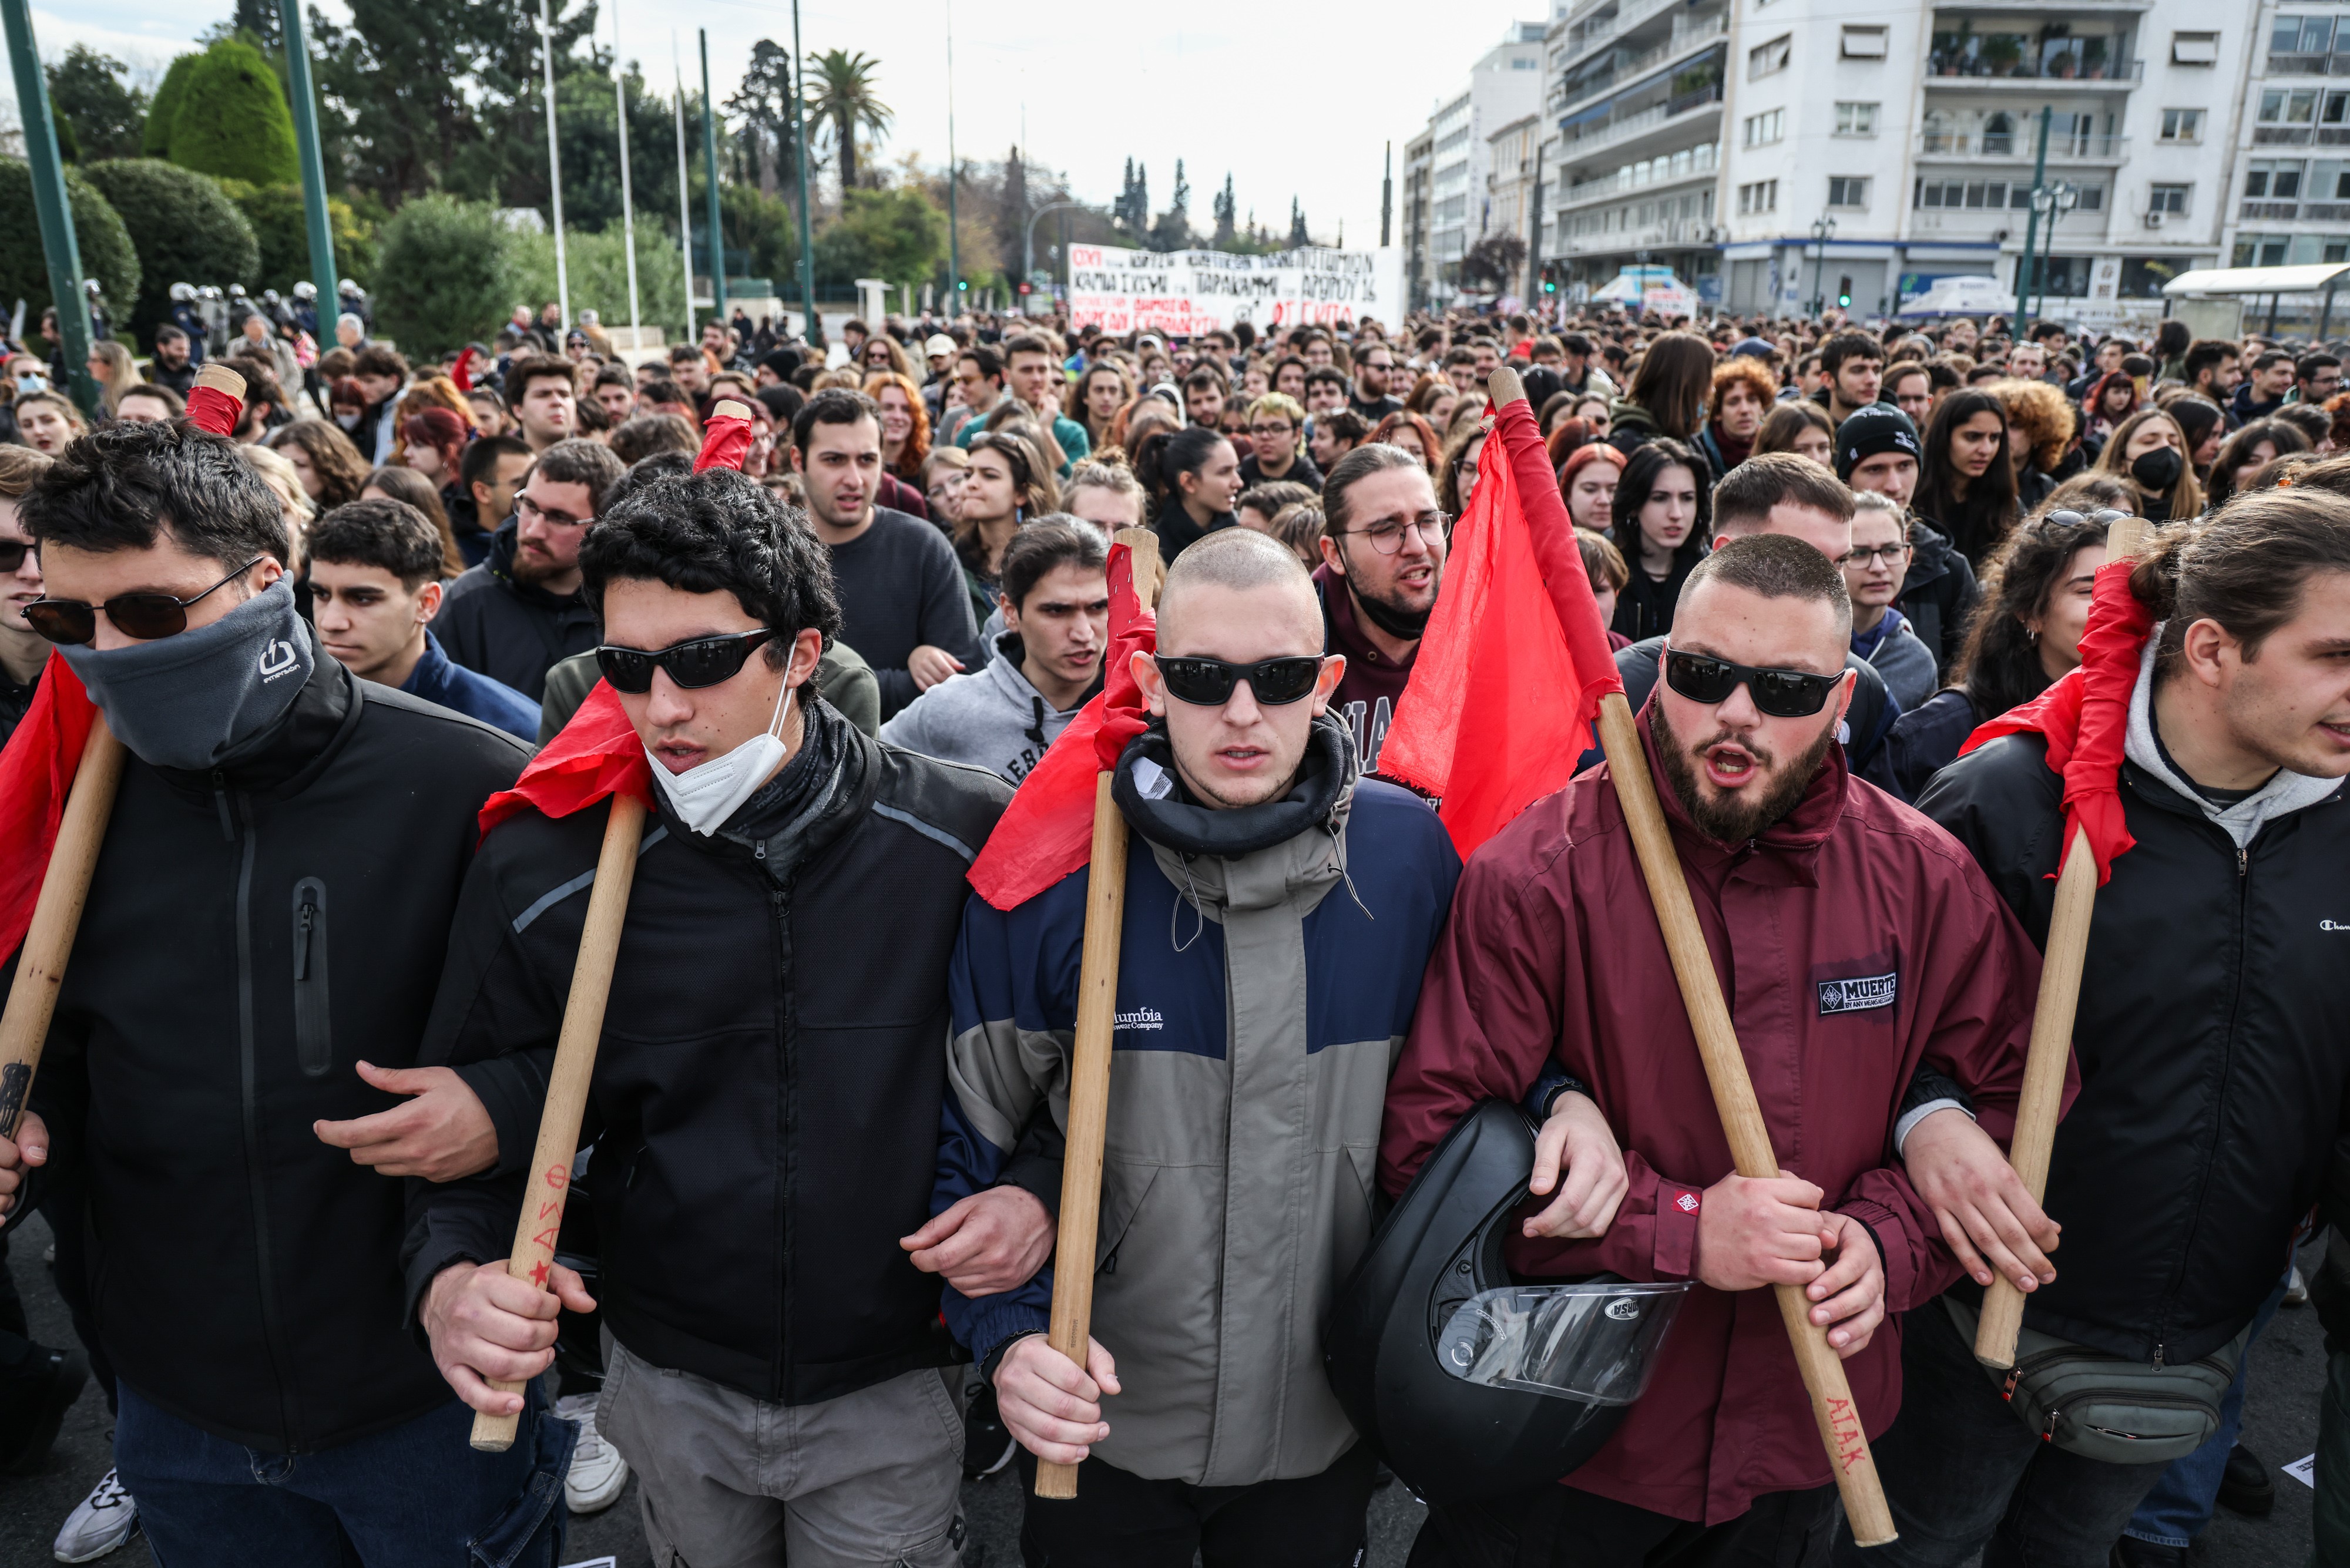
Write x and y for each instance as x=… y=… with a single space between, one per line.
x=806 y=1277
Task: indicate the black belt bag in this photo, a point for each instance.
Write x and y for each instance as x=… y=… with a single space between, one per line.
x=2110 y=1407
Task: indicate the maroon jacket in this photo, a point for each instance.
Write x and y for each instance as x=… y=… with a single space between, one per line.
x=1373 y=686
x=1854 y=939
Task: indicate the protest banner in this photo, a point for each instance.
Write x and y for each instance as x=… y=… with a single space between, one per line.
x=1183 y=293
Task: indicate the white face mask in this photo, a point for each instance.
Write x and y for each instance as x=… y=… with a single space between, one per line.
x=705 y=795
x=349 y=422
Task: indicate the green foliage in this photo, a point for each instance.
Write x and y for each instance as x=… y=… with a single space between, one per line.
x=764 y=228
x=599 y=267
x=183 y=228
x=106 y=251
x=93 y=101
x=895 y=235
x=443 y=275
x=68 y=150
x=155 y=138
x=840 y=90
x=233 y=119
x=281 y=226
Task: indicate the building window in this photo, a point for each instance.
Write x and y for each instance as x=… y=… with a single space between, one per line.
x=1971 y=194
x=2065 y=276
x=1848 y=190
x=2143 y=277
x=2171 y=198
x=1768 y=59
x=2301 y=36
x=1855 y=120
x=2261 y=250
x=2182 y=125
x=2329 y=180
x=2274 y=179
x=2194 y=49
x=2092 y=198
x=1761 y=130
x=1762 y=196
x=1864 y=42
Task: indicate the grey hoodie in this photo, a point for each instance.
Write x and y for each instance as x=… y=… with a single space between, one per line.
x=991 y=718
x=1906 y=663
x=2285 y=792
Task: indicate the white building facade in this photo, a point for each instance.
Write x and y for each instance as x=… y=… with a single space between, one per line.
x=1780 y=155
x=2289 y=200
x=1503 y=86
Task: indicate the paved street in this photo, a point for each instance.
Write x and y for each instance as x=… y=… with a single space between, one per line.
x=2281 y=1425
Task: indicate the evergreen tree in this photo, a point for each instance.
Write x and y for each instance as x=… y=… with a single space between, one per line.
x=155 y=137
x=1297 y=225
x=90 y=96
x=1226 y=209
x=1173 y=230
x=232 y=121
x=762 y=106
x=1014 y=231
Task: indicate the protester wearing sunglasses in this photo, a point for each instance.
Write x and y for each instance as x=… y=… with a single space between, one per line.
x=23 y=650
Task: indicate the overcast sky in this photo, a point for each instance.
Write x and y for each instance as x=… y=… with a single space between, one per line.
x=1271 y=92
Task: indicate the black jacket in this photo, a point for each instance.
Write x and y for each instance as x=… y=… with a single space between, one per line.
x=768 y=1088
x=1938 y=594
x=1301 y=472
x=1927 y=739
x=251 y=935
x=2209 y=1043
x=513 y=632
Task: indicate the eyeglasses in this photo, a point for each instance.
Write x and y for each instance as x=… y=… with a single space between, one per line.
x=1209 y=683
x=704 y=661
x=143 y=616
x=1780 y=693
x=12 y=556
x=1387 y=534
x=1275 y=431
x=1867 y=555
x=525 y=508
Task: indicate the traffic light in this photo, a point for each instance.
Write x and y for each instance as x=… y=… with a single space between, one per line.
x=1844 y=291
x=963 y=285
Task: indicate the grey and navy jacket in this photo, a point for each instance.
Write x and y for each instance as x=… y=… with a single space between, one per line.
x=1272 y=959
x=767 y=1089
x=992 y=718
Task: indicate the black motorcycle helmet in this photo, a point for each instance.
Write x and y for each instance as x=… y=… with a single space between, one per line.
x=1431 y=1307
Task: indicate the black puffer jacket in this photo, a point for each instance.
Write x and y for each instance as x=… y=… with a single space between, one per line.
x=1938 y=593
x=510 y=631
x=251 y=935
x=768 y=1087
x=2209 y=1038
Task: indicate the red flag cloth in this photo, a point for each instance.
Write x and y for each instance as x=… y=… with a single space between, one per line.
x=595 y=756
x=36 y=772
x=2086 y=716
x=725 y=442
x=462 y=373
x=1047 y=830
x=1514 y=661
x=210 y=408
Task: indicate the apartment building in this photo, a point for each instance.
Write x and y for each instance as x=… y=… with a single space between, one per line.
x=1782 y=154
x=1418 y=176
x=2291 y=197
x=1504 y=86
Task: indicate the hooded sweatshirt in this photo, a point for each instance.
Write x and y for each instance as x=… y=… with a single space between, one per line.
x=992 y=718
x=1906 y=664
x=1271 y=961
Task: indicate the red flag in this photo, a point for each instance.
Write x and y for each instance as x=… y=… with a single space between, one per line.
x=595 y=756
x=36 y=772
x=2085 y=717
x=726 y=439
x=217 y=402
x=1047 y=830
x=1515 y=661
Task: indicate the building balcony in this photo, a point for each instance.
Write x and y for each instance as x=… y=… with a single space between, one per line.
x=1658 y=235
x=1585 y=38
x=1688 y=109
x=1971 y=73
x=2295 y=212
x=1700 y=168
x=1685 y=36
x=2019 y=147
x=2301 y=136
x=2309 y=64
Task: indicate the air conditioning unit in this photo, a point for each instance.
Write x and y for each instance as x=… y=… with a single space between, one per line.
x=2154 y=220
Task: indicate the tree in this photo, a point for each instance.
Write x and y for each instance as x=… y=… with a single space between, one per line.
x=184 y=228
x=233 y=119
x=106 y=251
x=155 y=136
x=1496 y=261
x=1011 y=232
x=1227 y=211
x=1172 y=231
x=761 y=105
x=1133 y=209
x=840 y=89
x=445 y=273
x=105 y=116
x=280 y=227
x=898 y=236
x=68 y=150
x=1297 y=225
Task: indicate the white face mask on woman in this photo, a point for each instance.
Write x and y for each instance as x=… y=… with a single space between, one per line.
x=706 y=795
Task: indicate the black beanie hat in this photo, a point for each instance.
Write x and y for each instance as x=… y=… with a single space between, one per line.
x=1878 y=428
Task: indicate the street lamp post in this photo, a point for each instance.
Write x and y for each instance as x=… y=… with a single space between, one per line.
x=1028 y=235
x=1823 y=231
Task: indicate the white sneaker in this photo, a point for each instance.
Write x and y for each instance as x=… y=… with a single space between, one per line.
x=100 y=1522
x=598 y=1471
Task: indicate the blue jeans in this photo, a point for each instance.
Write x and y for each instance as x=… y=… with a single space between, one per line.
x=418 y=1495
x=2175 y=1513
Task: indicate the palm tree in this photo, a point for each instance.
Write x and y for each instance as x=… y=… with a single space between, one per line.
x=840 y=88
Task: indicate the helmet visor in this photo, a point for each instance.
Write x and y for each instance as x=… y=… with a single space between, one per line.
x=1596 y=1342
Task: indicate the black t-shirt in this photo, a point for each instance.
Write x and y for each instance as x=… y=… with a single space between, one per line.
x=1301 y=471
x=1376 y=410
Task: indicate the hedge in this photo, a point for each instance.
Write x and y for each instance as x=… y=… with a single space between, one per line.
x=281 y=223
x=106 y=250
x=442 y=275
x=184 y=229
x=233 y=119
x=155 y=141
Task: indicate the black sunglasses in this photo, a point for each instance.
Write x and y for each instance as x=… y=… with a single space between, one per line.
x=704 y=661
x=143 y=616
x=12 y=556
x=1780 y=693
x=1209 y=683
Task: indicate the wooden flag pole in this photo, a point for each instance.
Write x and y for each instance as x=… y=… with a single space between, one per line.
x=1734 y=1088
x=566 y=1087
x=1088 y=1123
x=57 y=916
x=2051 y=1030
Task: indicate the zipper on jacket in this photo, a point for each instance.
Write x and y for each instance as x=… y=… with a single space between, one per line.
x=786 y=1122
x=314 y=1042
x=219 y=803
x=248 y=1074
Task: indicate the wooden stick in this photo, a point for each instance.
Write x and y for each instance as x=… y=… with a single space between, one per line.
x=1741 y=1114
x=1089 y=1124
x=57 y=916
x=567 y=1085
x=2052 y=1031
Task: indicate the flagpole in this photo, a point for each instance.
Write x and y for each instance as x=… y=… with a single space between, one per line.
x=555 y=170
x=1749 y=1136
x=684 y=198
x=627 y=201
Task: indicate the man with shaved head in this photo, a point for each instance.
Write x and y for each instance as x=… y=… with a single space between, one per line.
x=1279 y=910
